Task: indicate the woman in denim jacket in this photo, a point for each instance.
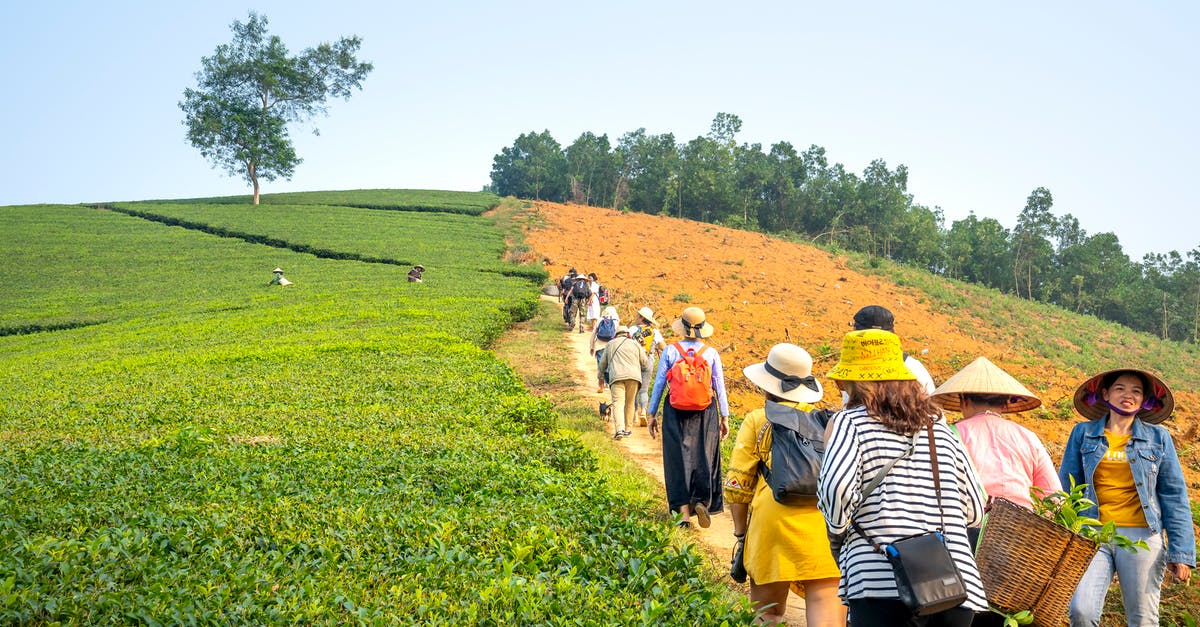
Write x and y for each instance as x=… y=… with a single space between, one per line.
x=1134 y=476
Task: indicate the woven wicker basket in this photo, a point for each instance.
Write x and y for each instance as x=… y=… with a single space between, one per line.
x=1030 y=563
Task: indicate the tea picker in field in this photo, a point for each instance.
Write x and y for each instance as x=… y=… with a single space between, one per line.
x=604 y=332
x=1135 y=479
x=622 y=363
x=1009 y=458
x=646 y=332
x=784 y=545
x=695 y=419
x=877 y=317
x=279 y=279
x=882 y=486
x=414 y=275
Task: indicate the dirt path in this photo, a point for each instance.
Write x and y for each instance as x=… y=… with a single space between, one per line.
x=647 y=453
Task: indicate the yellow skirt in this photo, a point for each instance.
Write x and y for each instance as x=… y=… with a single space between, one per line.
x=786 y=542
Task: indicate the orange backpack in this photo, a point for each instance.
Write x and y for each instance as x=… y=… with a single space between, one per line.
x=690 y=379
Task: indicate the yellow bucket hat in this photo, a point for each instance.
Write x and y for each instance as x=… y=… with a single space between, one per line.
x=871 y=355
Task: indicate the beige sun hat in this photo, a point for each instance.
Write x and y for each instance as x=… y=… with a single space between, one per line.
x=1157 y=407
x=787 y=373
x=277 y=270
x=691 y=323
x=648 y=314
x=984 y=377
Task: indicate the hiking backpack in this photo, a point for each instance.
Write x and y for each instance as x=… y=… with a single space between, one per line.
x=797 y=448
x=603 y=295
x=580 y=290
x=606 y=329
x=690 y=379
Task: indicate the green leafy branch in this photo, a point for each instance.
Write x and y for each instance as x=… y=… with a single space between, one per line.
x=1064 y=509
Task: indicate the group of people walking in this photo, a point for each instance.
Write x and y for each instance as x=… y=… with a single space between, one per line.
x=893 y=468
x=581 y=296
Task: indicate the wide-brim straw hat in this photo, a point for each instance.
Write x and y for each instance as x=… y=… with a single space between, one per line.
x=277 y=270
x=611 y=312
x=1157 y=407
x=691 y=323
x=419 y=267
x=621 y=329
x=648 y=314
x=787 y=373
x=984 y=377
x=871 y=355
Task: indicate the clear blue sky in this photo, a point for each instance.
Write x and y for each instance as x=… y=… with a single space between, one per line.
x=1096 y=101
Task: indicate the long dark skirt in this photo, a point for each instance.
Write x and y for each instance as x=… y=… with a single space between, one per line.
x=691 y=442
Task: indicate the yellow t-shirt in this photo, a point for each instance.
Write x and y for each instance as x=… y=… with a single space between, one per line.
x=1113 y=480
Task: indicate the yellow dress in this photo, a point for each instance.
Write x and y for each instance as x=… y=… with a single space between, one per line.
x=783 y=542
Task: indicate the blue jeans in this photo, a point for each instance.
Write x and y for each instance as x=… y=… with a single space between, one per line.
x=1141 y=576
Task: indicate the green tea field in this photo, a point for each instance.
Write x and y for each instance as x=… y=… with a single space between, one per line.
x=182 y=443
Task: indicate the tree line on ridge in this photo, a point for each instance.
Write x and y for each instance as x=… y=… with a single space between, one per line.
x=781 y=191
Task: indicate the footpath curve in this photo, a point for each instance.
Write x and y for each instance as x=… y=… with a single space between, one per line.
x=647 y=454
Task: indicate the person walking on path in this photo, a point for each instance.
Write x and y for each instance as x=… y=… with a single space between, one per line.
x=1008 y=458
x=877 y=317
x=593 y=300
x=691 y=437
x=889 y=420
x=646 y=332
x=604 y=333
x=786 y=546
x=1134 y=477
x=622 y=361
x=577 y=303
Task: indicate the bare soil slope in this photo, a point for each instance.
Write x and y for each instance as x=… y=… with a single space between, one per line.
x=759 y=291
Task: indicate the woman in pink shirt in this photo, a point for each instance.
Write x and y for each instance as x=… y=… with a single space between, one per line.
x=1009 y=458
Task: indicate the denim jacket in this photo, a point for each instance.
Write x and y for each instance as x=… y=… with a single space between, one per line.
x=1157 y=475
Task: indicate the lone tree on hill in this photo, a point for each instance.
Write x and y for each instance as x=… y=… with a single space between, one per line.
x=249 y=91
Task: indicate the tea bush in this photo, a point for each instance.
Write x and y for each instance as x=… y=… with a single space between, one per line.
x=184 y=444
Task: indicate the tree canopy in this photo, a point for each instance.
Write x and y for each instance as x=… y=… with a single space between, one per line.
x=713 y=178
x=251 y=89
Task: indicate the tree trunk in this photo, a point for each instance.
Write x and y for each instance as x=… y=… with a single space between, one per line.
x=254 y=181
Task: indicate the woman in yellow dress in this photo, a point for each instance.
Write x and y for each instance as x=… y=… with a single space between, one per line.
x=785 y=546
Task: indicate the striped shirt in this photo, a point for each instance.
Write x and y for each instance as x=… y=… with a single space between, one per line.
x=904 y=504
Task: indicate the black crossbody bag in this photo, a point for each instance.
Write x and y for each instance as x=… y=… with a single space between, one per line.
x=927 y=578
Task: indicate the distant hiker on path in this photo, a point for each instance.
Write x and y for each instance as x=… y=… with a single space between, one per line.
x=622 y=364
x=876 y=317
x=593 y=303
x=784 y=545
x=577 y=303
x=414 y=275
x=646 y=332
x=564 y=288
x=695 y=419
x=604 y=332
x=279 y=279
x=1134 y=477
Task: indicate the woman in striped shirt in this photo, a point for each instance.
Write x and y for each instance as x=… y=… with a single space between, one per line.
x=886 y=408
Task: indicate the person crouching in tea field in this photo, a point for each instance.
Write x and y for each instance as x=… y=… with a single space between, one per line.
x=785 y=546
x=1135 y=479
x=414 y=275
x=880 y=483
x=695 y=419
x=279 y=279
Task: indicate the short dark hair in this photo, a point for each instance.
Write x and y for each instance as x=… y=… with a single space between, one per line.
x=874 y=317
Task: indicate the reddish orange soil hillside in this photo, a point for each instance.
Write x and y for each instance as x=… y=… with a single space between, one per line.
x=758 y=291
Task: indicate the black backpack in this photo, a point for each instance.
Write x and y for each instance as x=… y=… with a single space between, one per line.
x=797 y=448
x=580 y=290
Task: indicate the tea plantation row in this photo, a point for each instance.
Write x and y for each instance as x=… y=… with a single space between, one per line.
x=203 y=448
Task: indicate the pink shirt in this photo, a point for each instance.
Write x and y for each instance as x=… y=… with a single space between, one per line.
x=1008 y=458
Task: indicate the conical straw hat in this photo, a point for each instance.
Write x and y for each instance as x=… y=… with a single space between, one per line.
x=983 y=377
